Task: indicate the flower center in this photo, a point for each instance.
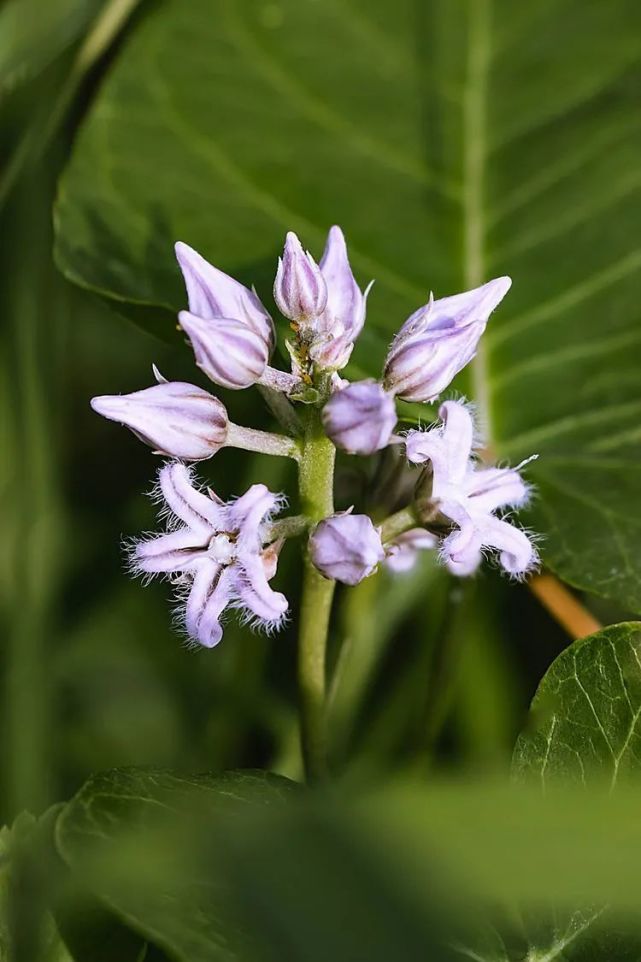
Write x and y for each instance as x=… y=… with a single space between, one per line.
x=222 y=548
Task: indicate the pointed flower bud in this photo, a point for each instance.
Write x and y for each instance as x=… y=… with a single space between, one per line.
x=174 y=418
x=342 y=320
x=360 y=418
x=299 y=289
x=213 y=294
x=346 y=547
x=438 y=340
x=230 y=352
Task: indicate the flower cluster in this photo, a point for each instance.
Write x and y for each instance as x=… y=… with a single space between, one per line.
x=222 y=555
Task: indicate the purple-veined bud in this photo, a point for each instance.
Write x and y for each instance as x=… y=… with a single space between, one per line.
x=299 y=289
x=230 y=352
x=360 y=418
x=438 y=340
x=346 y=547
x=176 y=419
x=213 y=294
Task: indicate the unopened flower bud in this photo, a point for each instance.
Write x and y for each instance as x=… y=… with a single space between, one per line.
x=174 y=418
x=213 y=294
x=299 y=289
x=230 y=352
x=438 y=340
x=346 y=547
x=360 y=418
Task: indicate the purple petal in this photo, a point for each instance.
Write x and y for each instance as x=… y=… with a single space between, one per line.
x=458 y=310
x=345 y=300
x=254 y=593
x=246 y=514
x=517 y=553
x=211 y=293
x=458 y=435
x=461 y=550
x=170 y=552
x=174 y=418
x=493 y=488
x=420 y=368
x=229 y=352
x=210 y=594
x=199 y=512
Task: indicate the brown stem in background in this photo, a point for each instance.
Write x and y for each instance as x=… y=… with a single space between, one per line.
x=563 y=606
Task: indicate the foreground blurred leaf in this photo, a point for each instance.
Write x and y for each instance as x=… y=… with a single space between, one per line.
x=585 y=729
x=120 y=838
x=241 y=866
x=454 y=141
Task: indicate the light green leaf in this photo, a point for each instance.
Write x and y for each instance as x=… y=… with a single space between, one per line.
x=454 y=141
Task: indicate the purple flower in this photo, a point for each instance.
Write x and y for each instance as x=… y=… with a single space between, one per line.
x=230 y=331
x=438 y=340
x=346 y=547
x=402 y=553
x=469 y=495
x=360 y=418
x=174 y=418
x=216 y=549
x=299 y=289
x=342 y=320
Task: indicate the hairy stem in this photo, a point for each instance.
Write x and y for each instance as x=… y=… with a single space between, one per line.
x=316 y=487
x=400 y=522
x=263 y=442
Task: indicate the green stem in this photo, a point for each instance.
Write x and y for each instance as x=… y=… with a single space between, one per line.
x=403 y=520
x=316 y=487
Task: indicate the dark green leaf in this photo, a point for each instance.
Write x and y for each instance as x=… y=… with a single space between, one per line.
x=453 y=141
x=584 y=728
x=585 y=721
x=131 y=837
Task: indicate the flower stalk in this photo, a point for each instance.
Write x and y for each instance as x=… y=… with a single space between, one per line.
x=316 y=489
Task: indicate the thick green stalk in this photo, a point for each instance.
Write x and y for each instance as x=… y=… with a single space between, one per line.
x=316 y=487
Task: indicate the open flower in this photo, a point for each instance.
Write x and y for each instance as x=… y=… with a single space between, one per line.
x=217 y=550
x=438 y=340
x=468 y=495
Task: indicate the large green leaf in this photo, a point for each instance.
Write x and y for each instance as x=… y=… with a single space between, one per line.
x=130 y=835
x=454 y=140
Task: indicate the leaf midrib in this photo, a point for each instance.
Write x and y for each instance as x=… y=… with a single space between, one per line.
x=475 y=149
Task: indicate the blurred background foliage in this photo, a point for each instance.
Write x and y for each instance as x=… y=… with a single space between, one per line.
x=428 y=676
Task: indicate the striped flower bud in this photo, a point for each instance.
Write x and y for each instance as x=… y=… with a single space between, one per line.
x=230 y=352
x=360 y=418
x=439 y=340
x=300 y=290
x=175 y=419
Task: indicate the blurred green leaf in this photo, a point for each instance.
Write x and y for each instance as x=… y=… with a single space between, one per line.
x=453 y=141
x=120 y=836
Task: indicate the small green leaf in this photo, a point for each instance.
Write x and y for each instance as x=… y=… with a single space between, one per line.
x=586 y=715
x=584 y=728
